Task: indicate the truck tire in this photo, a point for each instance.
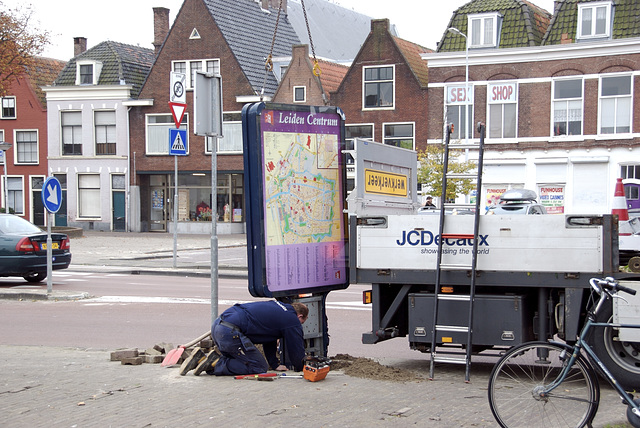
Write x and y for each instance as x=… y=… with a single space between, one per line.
x=621 y=358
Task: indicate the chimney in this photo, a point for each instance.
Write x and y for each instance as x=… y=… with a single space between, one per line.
x=79 y=45
x=160 y=26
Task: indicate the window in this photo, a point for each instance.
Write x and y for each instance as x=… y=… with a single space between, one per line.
x=399 y=135
x=615 y=104
x=15 y=195
x=457 y=110
x=26 y=147
x=190 y=67
x=105 y=123
x=378 y=87
x=71 y=122
x=503 y=106
x=594 y=20
x=89 y=195
x=351 y=132
x=630 y=171
x=8 y=108
x=158 y=126
x=232 y=131
x=299 y=94
x=567 y=107
x=484 y=30
x=87 y=72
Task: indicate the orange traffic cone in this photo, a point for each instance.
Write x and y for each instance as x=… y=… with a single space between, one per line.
x=620 y=207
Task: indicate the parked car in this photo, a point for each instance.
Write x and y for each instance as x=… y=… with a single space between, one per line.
x=518 y=201
x=23 y=249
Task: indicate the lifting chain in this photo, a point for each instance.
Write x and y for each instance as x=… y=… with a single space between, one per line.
x=268 y=65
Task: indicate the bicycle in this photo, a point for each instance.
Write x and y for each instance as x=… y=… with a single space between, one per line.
x=555 y=384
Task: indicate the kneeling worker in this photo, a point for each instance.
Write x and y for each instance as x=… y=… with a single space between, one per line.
x=242 y=325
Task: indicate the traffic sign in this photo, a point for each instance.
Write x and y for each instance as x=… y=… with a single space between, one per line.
x=178 y=142
x=52 y=194
x=177 y=110
x=178 y=92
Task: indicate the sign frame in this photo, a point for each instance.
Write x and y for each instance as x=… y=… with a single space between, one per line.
x=284 y=258
x=52 y=205
x=174 y=134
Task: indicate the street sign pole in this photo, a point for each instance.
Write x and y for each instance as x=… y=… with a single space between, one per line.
x=52 y=199
x=178 y=104
x=175 y=214
x=207 y=110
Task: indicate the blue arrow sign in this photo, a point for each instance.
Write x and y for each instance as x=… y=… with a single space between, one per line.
x=178 y=142
x=52 y=194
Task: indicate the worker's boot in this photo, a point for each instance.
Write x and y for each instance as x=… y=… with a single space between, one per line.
x=192 y=361
x=208 y=363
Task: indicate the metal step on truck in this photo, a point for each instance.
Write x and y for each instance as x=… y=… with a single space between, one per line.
x=529 y=280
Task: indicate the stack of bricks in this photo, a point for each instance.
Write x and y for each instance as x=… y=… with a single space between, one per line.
x=155 y=355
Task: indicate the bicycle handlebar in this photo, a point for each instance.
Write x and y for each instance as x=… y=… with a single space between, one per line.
x=609 y=285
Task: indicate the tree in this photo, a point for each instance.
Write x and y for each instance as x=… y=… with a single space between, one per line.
x=20 y=42
x=432 y=166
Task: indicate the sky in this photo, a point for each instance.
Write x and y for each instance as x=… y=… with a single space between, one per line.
x=131 y=21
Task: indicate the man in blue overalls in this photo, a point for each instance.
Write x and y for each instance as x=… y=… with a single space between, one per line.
x=242 y=325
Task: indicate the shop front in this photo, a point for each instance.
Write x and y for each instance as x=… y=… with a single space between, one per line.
x=196 y=207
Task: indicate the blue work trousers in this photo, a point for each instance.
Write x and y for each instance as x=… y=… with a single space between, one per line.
x=239 y=355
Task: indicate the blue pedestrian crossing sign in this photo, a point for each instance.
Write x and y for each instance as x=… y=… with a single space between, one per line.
x=178 y=142
x=52 y=194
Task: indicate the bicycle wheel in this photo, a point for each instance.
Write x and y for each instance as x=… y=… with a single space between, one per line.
x=519 y=376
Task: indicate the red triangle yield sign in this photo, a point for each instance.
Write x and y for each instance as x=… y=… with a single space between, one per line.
x=177 y=110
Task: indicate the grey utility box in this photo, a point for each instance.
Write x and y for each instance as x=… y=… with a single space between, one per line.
x=508 y=313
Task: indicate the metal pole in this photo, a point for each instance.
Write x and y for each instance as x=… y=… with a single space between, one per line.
x=49 y=254
x=175 y=214
x=214 y=230
x=6 y=183
x=466 y=92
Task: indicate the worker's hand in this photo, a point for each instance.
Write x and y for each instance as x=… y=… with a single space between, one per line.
x=281 y=368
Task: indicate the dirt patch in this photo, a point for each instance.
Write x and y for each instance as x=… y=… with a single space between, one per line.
x=369 y=369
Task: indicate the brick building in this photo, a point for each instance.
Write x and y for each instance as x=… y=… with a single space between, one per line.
x=558 y=95
x=384 y=93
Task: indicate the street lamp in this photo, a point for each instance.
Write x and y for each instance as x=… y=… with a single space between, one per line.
x=4 y=146
x=466 y=82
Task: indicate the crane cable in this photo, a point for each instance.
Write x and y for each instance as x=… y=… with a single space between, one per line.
x=268 y=65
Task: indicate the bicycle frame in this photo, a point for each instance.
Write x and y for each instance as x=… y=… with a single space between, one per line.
x=593 y=359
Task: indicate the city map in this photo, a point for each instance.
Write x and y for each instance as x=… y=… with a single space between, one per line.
x=301 y=186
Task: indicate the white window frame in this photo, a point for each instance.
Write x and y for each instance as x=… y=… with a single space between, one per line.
x=106 y=126
x=482 y=19
x=62 y=128
x=503 y=94
x=593 y=6
x=210 y=65
x=89 y=216
x=452 y=100
x=350 y=161
x=16 y=149
x=412 y=138
x=168 y=125
x=568 y=101
x=21 y=191
x=15 y=109
x=616 y=98
x=230 y=126
x=304 y=94
x=393 y=87
x=97 y=68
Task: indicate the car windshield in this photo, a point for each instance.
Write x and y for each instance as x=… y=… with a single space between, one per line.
x=17 y=225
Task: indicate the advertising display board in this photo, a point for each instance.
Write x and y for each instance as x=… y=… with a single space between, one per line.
x=295 y=192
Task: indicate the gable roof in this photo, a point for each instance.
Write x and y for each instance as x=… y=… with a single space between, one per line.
x=523 y=23
x=248 y=30
x=337 y=32
x=411 y=53
x=121 y=64
x=43 y=72
x=564 y=25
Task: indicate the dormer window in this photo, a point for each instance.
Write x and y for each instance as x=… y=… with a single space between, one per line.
x=485 y=29
x=87 y=72
x=594 y=20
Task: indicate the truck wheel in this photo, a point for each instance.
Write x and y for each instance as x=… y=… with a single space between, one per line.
x=621 y=358
x=634 y=264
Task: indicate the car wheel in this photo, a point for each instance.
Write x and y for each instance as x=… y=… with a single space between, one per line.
x=35 y=277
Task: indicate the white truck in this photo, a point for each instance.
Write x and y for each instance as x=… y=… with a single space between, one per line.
x=531 y=277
